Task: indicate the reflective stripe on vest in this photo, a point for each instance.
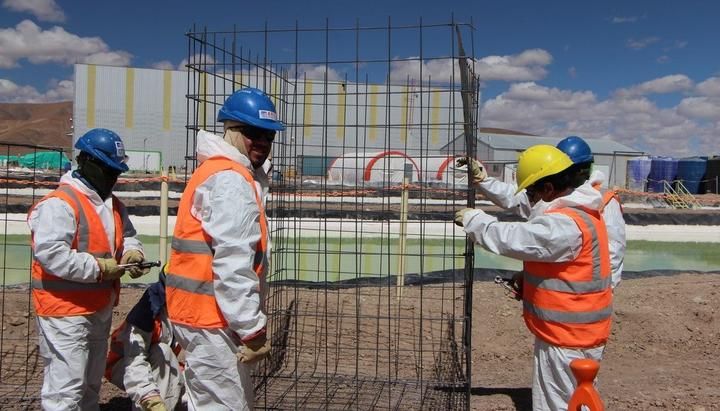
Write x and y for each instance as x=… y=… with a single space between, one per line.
x=55 y=296
x=569 y=304
x=189 y=282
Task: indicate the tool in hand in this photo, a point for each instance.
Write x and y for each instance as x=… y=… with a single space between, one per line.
x=507 y=283
x=142 y=265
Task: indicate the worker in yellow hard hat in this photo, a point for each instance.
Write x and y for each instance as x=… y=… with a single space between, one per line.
x=566 y=277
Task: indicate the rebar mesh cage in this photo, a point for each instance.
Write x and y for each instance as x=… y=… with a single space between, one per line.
x=27 y=173
x=368 y=297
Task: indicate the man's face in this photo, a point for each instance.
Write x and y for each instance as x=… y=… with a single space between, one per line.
x=257 y=142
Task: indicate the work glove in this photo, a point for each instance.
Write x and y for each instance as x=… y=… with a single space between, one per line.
x=153 y=403
x=109 y=269
x=476 y=169
x=132 y=257
x=254 y=350
x=460 y=215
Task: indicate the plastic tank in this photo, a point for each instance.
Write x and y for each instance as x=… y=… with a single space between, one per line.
x=691 y=171
x=712 y=175
x=638 y=169
x=662 y=169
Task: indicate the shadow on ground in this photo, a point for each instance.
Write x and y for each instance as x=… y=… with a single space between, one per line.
x=521 y=397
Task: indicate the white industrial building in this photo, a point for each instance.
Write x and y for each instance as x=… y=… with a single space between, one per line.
x=326 y=120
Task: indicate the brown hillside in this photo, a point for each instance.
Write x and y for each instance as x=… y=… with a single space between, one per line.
x=46 y=125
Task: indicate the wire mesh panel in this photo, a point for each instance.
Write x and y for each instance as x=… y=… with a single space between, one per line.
x=368 y=298
x=28 y=173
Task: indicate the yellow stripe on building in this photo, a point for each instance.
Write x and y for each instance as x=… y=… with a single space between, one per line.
x=307 y=110
x=238 y=84
x=435 y=118
x=341 y=107
x=374 y=89
x=202 y=110
x=129 y=97
x=90 y=115
x=167 y=99
x=404 y=120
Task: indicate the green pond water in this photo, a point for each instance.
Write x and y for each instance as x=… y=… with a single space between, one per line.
x=334 y=259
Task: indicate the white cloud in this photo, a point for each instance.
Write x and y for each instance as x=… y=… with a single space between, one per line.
x=163 y=65
x=709 y=87
x=203 y=61
x=630 y=119
x=44 y=10
x=316 y=72
x=572 y=71
x=667 y=84
x=700 y=107
x=663 y=59
x=623 y=19
x=637 y=44
x=28 y=41
x=529 y=65
x=13 y=93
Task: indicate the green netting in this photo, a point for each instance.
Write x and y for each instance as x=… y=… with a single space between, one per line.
x=44 y=160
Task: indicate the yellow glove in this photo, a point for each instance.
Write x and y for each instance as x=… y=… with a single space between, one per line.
x=460 y=215
x=109 y=269
x=134 y=256
x=254 y=350
x=153 y=403
x=476 y=169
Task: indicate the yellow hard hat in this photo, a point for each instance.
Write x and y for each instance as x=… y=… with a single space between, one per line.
x=539 y=161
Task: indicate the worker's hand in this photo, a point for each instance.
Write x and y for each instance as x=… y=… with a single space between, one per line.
x=109 y=269
x=132 y=257
x=152 y=403
x=254 y=350
x=476 y=169
x=460 y=215
x=517 y=284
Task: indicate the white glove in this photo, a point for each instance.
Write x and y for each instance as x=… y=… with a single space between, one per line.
x=460 y=216
x=476 y=169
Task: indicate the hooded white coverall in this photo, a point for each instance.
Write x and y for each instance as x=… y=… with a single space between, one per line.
x=74 y=348
x=503 y=195
x=225 y=204
x=148 y=368
x=544 y=237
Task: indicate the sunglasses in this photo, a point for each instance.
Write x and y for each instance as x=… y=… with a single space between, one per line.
x=255 y=133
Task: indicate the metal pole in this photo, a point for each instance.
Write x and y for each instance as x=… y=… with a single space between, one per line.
x=467 y=92
x=404 y=198
x=163 y=216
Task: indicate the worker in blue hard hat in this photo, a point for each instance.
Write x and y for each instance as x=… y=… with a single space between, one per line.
x=219 y=259
x=506 y=196
x=80 y=235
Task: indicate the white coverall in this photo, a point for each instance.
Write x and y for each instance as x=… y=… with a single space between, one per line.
x=503 y=195
x=548 y=238
x=146 y=368
x=225 y=204
x=74 y=348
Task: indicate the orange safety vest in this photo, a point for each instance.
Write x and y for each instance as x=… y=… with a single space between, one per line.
x=54 y=296
x=607 y=196
x=189 y=284
x=569 y=304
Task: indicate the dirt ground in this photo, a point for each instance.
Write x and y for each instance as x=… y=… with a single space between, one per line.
x=663 y=354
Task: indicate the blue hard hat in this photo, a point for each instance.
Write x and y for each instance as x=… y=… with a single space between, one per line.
x=105 y=146
x=253 y=107
x=577 y=149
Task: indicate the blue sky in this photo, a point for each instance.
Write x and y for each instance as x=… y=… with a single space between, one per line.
x=645 y=73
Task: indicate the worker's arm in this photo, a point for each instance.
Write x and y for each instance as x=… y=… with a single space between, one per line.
x=503 y=195
x=138 y=378
x=53 y=225
x=226 y=205
x=615 y=223
x=550 y=237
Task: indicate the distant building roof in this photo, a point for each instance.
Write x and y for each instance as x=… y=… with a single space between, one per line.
x=519 y=142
